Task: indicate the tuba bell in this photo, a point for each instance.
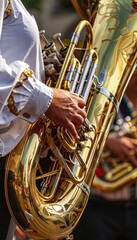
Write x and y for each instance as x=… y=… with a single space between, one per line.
x=49 y=174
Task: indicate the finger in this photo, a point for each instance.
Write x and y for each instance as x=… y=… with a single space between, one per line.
x=125 y=154
x=82 y=113
x=134 y=141
x=81 y=103
x=132 y=152
x=123 y=157
x=131 y=156
x=74 y=94
x=19 y=233
x=70 y=126
x=133 y=160
x=78 y=121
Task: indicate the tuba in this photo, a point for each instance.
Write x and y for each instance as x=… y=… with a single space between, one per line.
x=49 y=174
x=112 y=173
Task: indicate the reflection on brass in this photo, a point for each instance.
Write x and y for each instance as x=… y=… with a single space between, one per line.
x=52 y=172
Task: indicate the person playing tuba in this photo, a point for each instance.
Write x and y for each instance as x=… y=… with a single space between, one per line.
x=24 y=97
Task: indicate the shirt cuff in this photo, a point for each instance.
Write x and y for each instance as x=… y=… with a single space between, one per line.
x=39 y=101
x=28 y=98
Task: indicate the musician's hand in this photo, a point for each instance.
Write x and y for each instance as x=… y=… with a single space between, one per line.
x=67 y=109
x=124 y=147
x=19 y=234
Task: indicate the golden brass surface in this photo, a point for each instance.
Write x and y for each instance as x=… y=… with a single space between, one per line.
x=112 y=172
x=48 y=174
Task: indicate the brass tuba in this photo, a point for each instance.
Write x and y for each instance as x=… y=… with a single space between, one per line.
x=48 y=175
x=112 y=173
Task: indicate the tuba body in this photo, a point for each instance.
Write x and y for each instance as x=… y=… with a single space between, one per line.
x=49 y=174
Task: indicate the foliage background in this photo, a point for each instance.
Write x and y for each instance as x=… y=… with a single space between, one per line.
x=33 y=4
x=53 y=16
x=37 y=4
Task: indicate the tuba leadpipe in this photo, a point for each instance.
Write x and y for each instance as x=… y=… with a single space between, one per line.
x=49 y=174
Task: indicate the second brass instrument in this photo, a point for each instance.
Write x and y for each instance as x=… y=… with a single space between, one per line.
x=51 y=191
x=113 y=173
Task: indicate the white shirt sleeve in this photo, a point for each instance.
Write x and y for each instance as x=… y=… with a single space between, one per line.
x=31 y=99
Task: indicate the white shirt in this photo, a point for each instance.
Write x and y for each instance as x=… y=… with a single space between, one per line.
x=20 y=49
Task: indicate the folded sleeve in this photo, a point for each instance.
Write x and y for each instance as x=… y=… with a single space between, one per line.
x=21 y=94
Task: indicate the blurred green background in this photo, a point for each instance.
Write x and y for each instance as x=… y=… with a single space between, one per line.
x=37 y=4
x=53 y=16
x=33 y=4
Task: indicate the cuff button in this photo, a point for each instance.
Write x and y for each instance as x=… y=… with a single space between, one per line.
x=26 y=115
